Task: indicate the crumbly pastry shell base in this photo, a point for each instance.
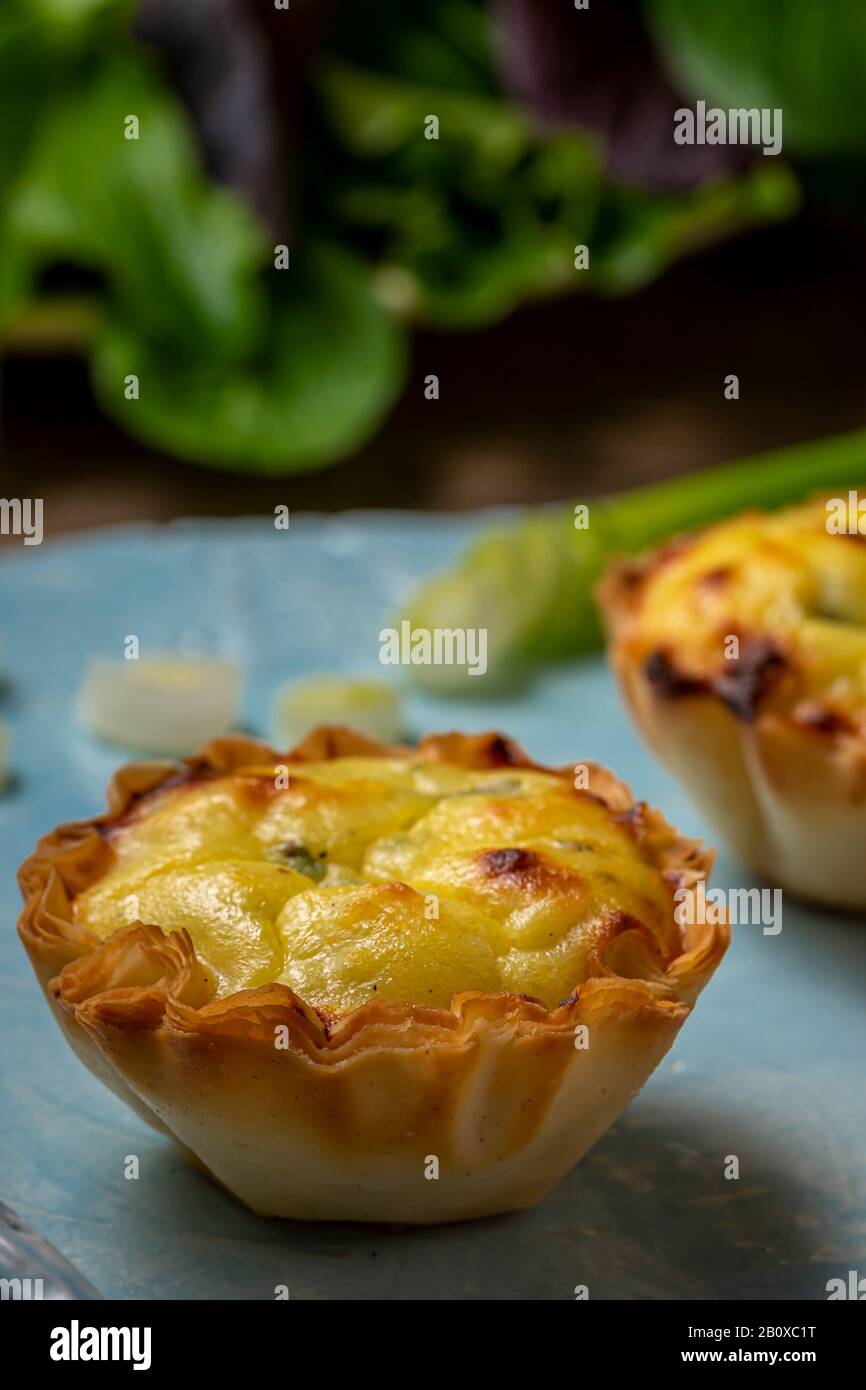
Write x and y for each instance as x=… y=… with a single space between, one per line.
x=342 y=1121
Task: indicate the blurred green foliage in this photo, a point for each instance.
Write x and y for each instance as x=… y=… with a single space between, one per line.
x=246 y=366
x=491 y=212
x=806 y=57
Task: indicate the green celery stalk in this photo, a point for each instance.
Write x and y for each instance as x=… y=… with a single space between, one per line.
x=530 y=584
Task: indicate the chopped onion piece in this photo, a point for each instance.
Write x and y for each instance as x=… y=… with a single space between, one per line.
x=371 y=707
x=160 y=704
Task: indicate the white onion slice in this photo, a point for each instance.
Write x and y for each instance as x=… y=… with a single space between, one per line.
x=160 y=704
x=371 y=707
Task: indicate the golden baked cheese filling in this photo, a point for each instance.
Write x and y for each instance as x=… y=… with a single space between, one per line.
x=395 y=879
x=790 y=590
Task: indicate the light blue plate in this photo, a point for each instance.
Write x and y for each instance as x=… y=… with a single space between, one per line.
x=770 y=1068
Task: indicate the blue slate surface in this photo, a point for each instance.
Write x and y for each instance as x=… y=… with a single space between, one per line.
x=770 y=1067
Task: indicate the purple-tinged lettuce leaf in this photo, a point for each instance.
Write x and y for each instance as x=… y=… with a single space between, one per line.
x=215 y=54
x=597 y=68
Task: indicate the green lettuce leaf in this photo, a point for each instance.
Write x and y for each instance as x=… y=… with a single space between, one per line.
x=805 y=56
x=180 y=257
x=490 y=213
x=330 y=363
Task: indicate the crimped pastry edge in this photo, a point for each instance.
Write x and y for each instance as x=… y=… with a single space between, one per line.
x=135 y=1010
x=73 y=854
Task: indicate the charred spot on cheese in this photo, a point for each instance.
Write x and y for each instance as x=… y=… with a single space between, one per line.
x=748 y=679
x=504 y=752
x=663 y=676
x=518 y=865
x=820 y=718
x=715 y=578
x=631 y=575
x=528 y=874
x=496 y=751
x=742 y=685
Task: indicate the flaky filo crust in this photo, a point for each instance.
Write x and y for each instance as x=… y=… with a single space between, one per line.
x=348 y=1119
x=788 y=798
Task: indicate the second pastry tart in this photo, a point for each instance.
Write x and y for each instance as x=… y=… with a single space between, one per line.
x=357 y=982
x=741 y=651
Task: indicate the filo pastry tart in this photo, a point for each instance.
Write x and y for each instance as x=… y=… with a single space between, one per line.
x=742 y=654
x=366 y=983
